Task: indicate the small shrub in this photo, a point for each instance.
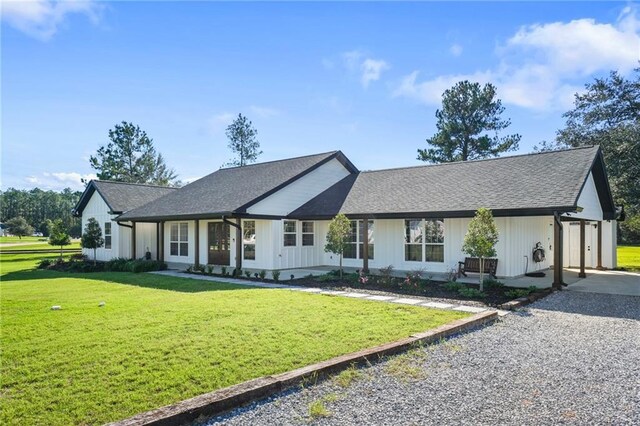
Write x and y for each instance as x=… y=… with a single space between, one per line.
x=78 y=256
x=413 y=279
x=210 y=269
x=262 y=274
x=517 y=293
x=223 y=270
x=292 y=277
x=247 y=273
x=491 y=282
x=189 y=269
x=236 y=272
x=255 y=275
x=454 y=286
x=532 y=289
x=363 y=279
x=385 y=276
x=44 y=263
x=472 y=293
x=275 y=275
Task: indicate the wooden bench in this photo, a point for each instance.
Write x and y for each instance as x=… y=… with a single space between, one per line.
x=472 y=264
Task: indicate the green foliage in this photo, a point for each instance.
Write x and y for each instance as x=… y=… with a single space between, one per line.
x=385 y=277
x=134 y=265
x=247 y=273
x=517 y=293
x=45 y=227
x=210 y=269
x=38 y=206
x=471 y=293
x=468 y=126
x=59 y=236
x=454 y=286
x=630 y=229
x=92 y=236
x=135 y=343
x=223 y=271
x=19 y=227
x=45 y=263
x=262 y=274
x=275 y=275
x=338 y=236
x=481 y=237
x=317 y=409
x=243 y=142
x=348 y=376
x=131 y=157
x=491 y=282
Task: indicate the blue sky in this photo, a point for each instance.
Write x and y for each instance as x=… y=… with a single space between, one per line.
x=365 y=78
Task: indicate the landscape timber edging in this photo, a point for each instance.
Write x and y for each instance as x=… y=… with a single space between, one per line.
x=514 y=304
x=222 y=400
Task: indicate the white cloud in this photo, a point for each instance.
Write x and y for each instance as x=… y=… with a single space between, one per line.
x=371 y=70
x=41 y=19
x=59 y=180
x=368 y=69
x=219 y=122
x=542 y=65
x=263 y=112
x=455 y=49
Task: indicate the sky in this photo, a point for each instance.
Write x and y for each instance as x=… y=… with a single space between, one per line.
x=364 y=78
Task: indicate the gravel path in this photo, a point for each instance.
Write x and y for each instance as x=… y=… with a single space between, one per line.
x=571 y=358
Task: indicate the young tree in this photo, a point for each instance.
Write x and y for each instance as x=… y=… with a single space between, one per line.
x=481 y=239
x=243 y=142
x=338 y=236
x=468 y=126
x=131 y=157
x=45 y=227
x=92 y=237
x=58 y=235
x=19 y=227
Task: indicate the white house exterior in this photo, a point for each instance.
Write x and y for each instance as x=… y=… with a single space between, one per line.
x=275 y=215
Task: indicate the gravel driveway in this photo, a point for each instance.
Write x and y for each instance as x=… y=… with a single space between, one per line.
x=571 y=358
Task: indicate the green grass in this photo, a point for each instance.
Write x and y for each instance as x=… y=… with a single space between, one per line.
x=25 y=240
x=40 y=246
x=629 y=257
x=161 y=339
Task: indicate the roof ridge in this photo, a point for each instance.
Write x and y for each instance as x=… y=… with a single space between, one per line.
x=282 y=159
x=482 y=159
x=133 y=184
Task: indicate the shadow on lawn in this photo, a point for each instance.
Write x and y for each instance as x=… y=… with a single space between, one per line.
x=146 y=280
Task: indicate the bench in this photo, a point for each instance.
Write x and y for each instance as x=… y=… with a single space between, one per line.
x=472 y=264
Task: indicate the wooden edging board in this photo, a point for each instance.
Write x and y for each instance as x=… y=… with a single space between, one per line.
x=219 y=401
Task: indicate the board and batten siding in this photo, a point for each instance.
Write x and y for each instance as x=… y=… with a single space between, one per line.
x=97 y=208
x=589 y=201
x=571 y=244
x=300 y=191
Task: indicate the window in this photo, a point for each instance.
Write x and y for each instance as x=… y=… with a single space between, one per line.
x=179 y=239
x=307 y=233
x=107 y=235
x=249 y=239
x=355 y=246
x=289 y=233
x=424 y=240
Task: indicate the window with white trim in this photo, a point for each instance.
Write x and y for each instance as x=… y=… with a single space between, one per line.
x=290 y=236
x=307 y=234
x=107 y=235
x=249 y=239
x=424 y=240
x=355 y=246
x=179 y=239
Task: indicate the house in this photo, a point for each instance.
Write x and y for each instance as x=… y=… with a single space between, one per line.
x=275 y=215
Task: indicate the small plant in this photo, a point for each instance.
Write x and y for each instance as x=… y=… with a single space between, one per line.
x=363 y=279
x=235 y=272
x=223 y=271
x=317 y=409
x=189 y=269
x=275 y=274
x=255 y=275
x=532 y=289
x=517 y=293
x=262 y=274
x=348 y=376
x=386 y=278
x=453 y=275
x=406 y=367
x=291 y=277
x=200 y=268
x=413 y=278
x=454 y=286
x=247 y=273
x=472 y=293
x=491 y=282
x=44 y=263
x=210 y=269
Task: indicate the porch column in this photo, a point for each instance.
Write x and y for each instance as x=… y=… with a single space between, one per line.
x=365 y=246
x=133 y=240
x=582 y=249
x=599 y=266
x=196 y=241
x=557 y=253
x=161 y=242
x=238 y=245
x=157 y=240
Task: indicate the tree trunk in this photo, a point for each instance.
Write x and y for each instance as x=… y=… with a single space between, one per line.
x=340 y=265
x=60 y=252
x=481 y=273
x=94 y=256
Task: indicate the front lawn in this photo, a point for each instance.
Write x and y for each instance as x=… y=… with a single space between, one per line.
x=161 y=339
x=38 y=246
x=629 y=257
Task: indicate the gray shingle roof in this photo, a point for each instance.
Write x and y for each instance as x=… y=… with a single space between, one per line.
x=230 y=190
x=533 y=182
x=121 y=196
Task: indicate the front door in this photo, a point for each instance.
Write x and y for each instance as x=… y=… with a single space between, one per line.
x=219 y=243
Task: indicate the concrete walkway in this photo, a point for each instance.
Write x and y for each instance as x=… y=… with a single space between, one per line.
x=608 y=282
x=355 y=295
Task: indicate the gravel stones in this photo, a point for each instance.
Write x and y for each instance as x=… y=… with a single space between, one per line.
x=570 y=358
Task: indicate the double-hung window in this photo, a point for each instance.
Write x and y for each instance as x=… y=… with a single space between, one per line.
x=290 y=236
x=357 y=234
x=424 y=240
x=107 y=235
x=179 y=239
x=249 y=239
x=307 y=234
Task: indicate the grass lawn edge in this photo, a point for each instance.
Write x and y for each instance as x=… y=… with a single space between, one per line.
x=222 y=400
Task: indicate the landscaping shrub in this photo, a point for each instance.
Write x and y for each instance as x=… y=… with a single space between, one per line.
x=247 y=273
x=454 y=286
x=210 y=269
x=78 y=256
x=385 y=278
x=472 y=293
x=275 y=275
x=139 y=265
x=491 y=282
x=262 y=274
x=517 y=293
x=223 y=271
x=44 y=263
